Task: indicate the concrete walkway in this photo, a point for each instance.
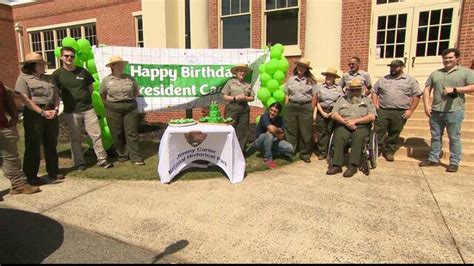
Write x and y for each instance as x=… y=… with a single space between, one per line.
x=399 y=214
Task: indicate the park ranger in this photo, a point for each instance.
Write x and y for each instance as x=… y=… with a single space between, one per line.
x=354 y=114
x=119 y=92
x=327 y=95
x=355 y=73
x=395 y=97
x=300 y=101
x=238 y=93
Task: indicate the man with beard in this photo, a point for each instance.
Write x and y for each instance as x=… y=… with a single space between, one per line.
x=356 y=73
x=354 y=114
x=395 y=97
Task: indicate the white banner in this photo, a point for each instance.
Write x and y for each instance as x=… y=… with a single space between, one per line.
x=172 y=79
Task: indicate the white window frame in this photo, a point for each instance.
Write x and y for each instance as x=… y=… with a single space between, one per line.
x=221 y=23
x=137 y=30
x=290 y=50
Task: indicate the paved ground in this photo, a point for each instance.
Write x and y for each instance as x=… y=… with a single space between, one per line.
x=400 y=213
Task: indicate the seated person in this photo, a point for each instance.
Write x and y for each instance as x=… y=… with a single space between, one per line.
x=271 y=137
x=354 y=114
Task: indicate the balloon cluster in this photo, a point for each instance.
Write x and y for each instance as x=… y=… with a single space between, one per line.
x=85 y=58
x=272 y=77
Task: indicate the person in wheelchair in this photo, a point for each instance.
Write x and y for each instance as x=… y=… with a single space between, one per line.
x=354 y=114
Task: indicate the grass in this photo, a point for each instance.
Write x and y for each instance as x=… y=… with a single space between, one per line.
x=128 y=171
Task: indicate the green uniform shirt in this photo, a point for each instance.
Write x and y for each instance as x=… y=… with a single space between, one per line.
x=118 y=89
x=396 y=92
x=458 y=77
x=328 y=95
x=233 y=87
x=40 y=90
x=360 y=75
x=349 y=110
x=298 y=90
x=74 y=89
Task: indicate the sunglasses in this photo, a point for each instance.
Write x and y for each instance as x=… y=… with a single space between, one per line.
x=69 y=56
x=351 y=64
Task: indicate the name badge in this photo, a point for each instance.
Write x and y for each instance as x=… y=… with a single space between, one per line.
x=81 y=78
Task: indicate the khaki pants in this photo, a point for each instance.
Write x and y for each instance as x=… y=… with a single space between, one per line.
x=75 y=122
x=11 y=163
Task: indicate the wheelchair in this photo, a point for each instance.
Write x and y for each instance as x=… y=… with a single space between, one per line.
x=370 y=151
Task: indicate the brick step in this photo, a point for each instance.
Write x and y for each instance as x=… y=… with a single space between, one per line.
x=424 y=131
x=417 y=141
x=468 y=105
x=413 y=121
x=420 y=113
x=417 y=154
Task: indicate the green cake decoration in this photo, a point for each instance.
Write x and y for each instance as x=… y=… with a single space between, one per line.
x=215 y=115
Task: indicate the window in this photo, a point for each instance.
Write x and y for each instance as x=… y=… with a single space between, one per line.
x=282 y=21
x=139 y=31
x=45 y=41
x=235 y=23
x=391 y=31
x=434 y=32
x=381 y=2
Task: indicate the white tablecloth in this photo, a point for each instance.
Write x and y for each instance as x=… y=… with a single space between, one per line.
x=217 y=144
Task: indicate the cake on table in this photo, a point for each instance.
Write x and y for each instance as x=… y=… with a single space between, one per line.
x=215 y=115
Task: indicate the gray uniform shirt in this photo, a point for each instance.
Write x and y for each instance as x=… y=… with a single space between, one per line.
x=118 y=89
x=360 y=75
x=328 y=95
x=396 y=92
x=298 y=90
x=40 y=90
x=349 y=110
x=233 y=87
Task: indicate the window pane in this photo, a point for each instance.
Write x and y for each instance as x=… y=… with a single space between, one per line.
x=236 y=32
x=292 y=3
x=400 y=50
x=443 y=46
x=271 y=4
x=225 y=7
x=447 y=15
x=400 y=36
x=402 y=21
x=420 y=49
x=235 y=6
x=51 y=58
x=392 y=22
x=390 y=36
x=281 y=3
x=432 y=51
x=389 y=51
x=140 y=23
x=381 y=23
x=422 y=34
x=381 y=37
x=423 y=21
x=435 y=16
x=245 y=6
x=445 y=32
x=433 y=33
x=76 y=33
x=282 y=27
x=60 y=35
x=379 y=2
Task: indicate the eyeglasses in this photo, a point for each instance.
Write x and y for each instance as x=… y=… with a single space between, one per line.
x=351 y=64
x=69 y=56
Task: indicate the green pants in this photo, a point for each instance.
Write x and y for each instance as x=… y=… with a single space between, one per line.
x=40 y=131
x=240 y=113
x=388 y=126
x=324 y=130
x=123 y=120
x=9 y=159
x=342 y=135
x=299 y=127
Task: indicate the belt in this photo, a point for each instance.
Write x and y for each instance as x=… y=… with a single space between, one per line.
x=300 y=103
x=393 y=109
x=46 y=106
x=123 y=101
x=239 y=103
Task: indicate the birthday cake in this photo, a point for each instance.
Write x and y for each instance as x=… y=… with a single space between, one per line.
x=215 y=115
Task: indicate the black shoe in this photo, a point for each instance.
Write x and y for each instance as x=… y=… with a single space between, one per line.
x=104 y=164
x=334 y=170
x=57 y=176
x=306 y=159
x=351 y=171
x=36 y=181
x=81 y=167
x=322 y=157
x=428 y=163
x=452 y=168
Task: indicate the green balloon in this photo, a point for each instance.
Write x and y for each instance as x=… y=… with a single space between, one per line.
x=257 y=119
x=275 y=53
x=78 y=62
x=83 y=56
x=96 y=85
x=96 y=76
x=279 y=47
x=98 y=104
x=282 y=87
x=279 y=76
x=272 y=66
x=90 y=55
x=264 y=78
x=261 y=68
x=107 y=140
x=270 y=102
x=263 y=94
x=84 y=45
x=272 y=85
x=279 y=96
x=91 y=66
x=70 y=42
x=57 y=52
x=283 y=64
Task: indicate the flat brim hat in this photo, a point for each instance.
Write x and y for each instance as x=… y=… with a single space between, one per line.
x=115 y=59
x=304 y=62
x=396 y=62
x=234 y=69
x=34 y=58
x=355 y=84
x=331 y=72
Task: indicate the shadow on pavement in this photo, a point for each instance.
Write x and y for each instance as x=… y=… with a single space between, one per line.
x=171 y=249
x=27 y=237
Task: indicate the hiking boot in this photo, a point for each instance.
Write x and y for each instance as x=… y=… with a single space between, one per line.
x=428 y=163
x=57 y=176
x=306 y=159
x=270 y=164
x=104 y=164
x=334 y=170
x=321 y=156
x=36 y=181
x=452 y=168
x=389 y=157
x=81 y=168
x=351 y=171
x=24 y=189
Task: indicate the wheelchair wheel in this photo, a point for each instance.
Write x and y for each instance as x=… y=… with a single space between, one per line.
x=373 y=150
x=330 y=154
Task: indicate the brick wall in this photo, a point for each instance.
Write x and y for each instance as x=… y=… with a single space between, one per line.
x=10 y=68
x=466 y=35
x=355 y=31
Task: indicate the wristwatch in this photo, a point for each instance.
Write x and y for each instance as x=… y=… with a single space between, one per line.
x=234 y=98
x=455 y=90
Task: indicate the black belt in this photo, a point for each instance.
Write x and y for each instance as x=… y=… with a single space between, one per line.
x=300 y=103
x=239 y=103
x=393 y=109
x=46 y=106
